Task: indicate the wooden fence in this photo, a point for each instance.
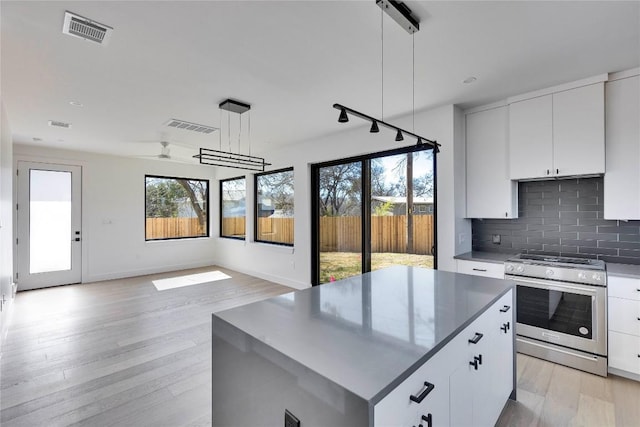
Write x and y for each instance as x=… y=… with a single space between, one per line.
x=388 y=234
x=167 y=228
x=343 y=233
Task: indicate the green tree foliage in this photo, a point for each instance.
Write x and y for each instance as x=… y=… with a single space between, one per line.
x=165 y=196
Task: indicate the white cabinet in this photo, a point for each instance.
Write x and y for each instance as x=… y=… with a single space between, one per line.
x=466 y=383
x=531 y=138
x=622 y=178
x=478 y=268
x=624 y=326
x=558 y=134
x=490 y=191
x=481 y=383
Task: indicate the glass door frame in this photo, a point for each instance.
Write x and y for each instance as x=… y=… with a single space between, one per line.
x=365 y=206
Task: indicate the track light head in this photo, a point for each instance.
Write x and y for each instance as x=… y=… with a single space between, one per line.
x=399 y=136
x=343 y=116
x=420 y=141
x=374 y=127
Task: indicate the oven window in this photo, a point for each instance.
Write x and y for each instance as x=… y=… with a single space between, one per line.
x=558 y=311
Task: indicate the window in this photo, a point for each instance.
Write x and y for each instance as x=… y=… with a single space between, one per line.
x=233 y=208
x=176 y=208
x=274 y=207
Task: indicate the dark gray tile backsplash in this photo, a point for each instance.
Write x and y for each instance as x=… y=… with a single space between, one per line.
x=561 y=217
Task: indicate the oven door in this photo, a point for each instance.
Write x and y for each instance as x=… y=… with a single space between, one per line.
x=566 y=314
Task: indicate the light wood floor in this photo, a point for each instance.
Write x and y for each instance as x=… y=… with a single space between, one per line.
x=122 y=353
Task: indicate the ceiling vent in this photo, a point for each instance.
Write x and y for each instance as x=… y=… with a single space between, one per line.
x=193 y=127
x=58 y=124
x=78 y=26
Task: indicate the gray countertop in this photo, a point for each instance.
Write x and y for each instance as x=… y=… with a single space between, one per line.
x=623 y=270
x=368 y=333
x=620 y=270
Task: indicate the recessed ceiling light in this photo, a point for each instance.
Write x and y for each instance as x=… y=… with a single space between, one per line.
x=76 y=103
x=35 y=139
x=470 y=79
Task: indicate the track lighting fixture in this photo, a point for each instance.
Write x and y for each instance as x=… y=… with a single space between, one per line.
x=343 y=116
x=400 y=133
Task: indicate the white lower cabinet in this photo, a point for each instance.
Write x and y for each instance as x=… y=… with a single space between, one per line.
x=478 y=268
x=624 y=326
x=466 y=383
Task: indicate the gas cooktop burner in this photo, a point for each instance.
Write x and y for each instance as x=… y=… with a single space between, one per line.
x=559 y=261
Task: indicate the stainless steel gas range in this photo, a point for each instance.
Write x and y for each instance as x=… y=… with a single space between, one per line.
x=561 y=310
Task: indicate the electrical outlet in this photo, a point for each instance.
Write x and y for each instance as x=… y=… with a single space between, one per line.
x=290 y=420
x=495 y=238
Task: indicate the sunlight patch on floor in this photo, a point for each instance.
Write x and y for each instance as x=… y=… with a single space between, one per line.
x=191 y=279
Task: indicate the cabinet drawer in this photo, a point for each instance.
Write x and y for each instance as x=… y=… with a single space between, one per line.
x=487 y=269
x=624 y=352
x=624 y=316
x=624 y=287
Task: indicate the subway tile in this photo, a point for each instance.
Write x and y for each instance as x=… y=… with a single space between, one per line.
x=537 y=227
x=618 y=229
x=629 y=253
x=628 y=238
x=579 y=215
x=619 y=245
x=562 y=235
x=597 y=236
x=585 y=228
x=597 y=251
x=544 y=240
x=582 y=242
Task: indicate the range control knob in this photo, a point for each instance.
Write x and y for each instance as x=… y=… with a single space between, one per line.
x=549 y=272
x=508 y=268
x=596 y=277
x=519 y=269
x=582 y=275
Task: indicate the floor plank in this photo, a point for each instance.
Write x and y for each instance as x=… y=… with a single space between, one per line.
x=122 y=353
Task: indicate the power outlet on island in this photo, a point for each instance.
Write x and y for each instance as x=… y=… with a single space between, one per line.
x=290 y=420
x=495 y=238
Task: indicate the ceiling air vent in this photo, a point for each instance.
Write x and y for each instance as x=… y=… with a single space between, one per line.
x=59 y=124
x=78 y=26
x=193 y=127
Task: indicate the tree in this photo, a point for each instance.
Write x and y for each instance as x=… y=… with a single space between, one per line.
x=279 y=188
x=340 y=189
x=164 y=197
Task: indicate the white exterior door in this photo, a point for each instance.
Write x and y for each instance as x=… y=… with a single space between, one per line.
x=49 y=242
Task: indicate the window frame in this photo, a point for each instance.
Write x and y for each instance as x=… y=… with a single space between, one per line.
x=255 y=206
x=245 y=208
x=207 y=204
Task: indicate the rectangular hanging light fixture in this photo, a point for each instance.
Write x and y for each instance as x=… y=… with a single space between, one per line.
x=229 y=159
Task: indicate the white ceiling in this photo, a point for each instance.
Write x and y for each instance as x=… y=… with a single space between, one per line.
x=291 y=60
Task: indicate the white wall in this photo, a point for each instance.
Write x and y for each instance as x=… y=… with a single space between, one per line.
x=292 y=266
x=6 y=221
x=113 y=216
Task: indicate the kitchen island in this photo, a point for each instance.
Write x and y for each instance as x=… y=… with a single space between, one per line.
x=399 y=346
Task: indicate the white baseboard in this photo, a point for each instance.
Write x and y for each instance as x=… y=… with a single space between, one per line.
x=89 y=278
x=265 y=276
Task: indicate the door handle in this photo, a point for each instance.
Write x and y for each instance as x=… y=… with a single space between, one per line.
x=77 y=239
x=478 y=336
x=420 y=397
x=504 y=309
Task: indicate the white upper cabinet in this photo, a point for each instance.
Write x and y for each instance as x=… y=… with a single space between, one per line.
x=578 y=131
x=558 y=134
x=531 y=138
x=490 y=191
x=622 y=180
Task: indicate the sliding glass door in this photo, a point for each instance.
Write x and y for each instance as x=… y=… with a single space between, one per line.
x=372 y=212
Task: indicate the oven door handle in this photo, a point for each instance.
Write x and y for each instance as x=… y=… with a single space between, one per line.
x=544 y=284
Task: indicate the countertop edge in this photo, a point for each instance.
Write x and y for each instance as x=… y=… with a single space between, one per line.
x=623 y=270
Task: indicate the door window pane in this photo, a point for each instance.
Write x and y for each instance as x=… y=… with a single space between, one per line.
x=233 y=208
x=176 y=208
x=49 y=221
x=340 y=228
x=274 y=208
x=402 y=226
